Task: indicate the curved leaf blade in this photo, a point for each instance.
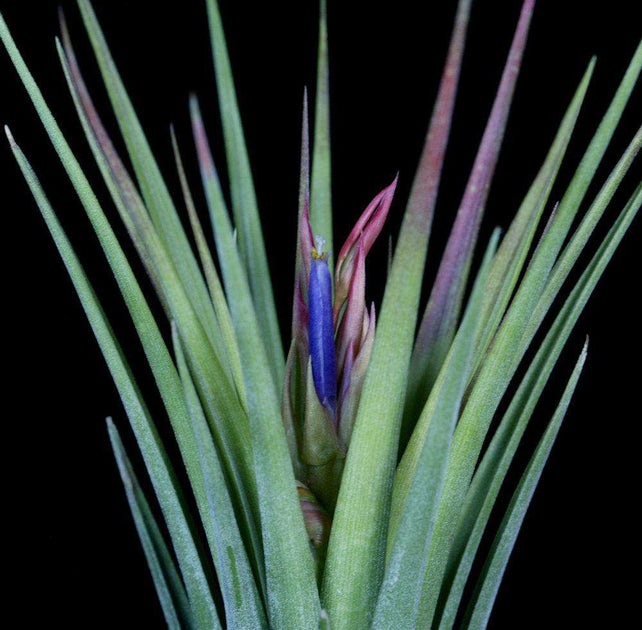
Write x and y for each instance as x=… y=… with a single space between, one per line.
x=484 y=597
x=398 y=601
x=243 y=607
x=153 y=187
x=244 y=204
x=494 y=465
x=158 y=466
x=169 y=588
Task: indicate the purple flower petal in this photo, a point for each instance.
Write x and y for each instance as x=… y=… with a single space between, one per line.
x=321 y=331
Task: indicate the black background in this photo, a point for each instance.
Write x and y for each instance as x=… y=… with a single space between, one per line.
x=73 y=553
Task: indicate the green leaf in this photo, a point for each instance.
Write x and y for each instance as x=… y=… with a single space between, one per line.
x=356 y=550
x=237 y=288
x=126 y=198
x=293 y=600
x=211 y=275
x=512 y=253
x=494 y=465
x=227 y=417
x=321 y=189
x=169 y=588
x=243 y=606
x=484 y=597
x=585 y=172
x=228 y=420
x=244 y=205
x=154 y=190
x=580 y=237
x=401 y=589
x=158 y=466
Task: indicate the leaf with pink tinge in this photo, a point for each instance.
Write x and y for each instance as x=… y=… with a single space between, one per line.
x=351 y=327
x=512 y=254
x=353 y=377
x=294 y=386
x=369 y=226
x=442 y=312
x=306 y=244
x=227 y=337
x=237 y=289
x=305 y=238
x=128 y=202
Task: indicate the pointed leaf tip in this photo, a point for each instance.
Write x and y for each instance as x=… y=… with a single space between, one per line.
x=368 y=227
x=440 y=318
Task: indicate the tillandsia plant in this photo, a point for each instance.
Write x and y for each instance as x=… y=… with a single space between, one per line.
x=347 y=481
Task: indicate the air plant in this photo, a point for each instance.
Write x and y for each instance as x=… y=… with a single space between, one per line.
x=347 y=482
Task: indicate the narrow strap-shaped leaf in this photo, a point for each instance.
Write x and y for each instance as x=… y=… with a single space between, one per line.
x=571 y=252
x=237 y=286
x=535 y=200
x=423 y=195
x=169 y=588
x=407 y=469
x=440 y=318
x=243 y=606
x=229 y=420
x=158 y=466
x=211 y=275
x=302 y=264
x=87 y=112
x=293 y=392
x=122 y=189
x=154 y=190
x=554 y=238
x=486 y=394
x=537 y=275
x=321 y=189
x=580 y=237
x=291 y=582
x=483 y=599
x=355 y=561
x=401 y=589
x=512 y=253
x=494 y=465
x=244 y=205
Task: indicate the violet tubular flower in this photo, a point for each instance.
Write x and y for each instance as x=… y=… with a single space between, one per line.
x=321 y=328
